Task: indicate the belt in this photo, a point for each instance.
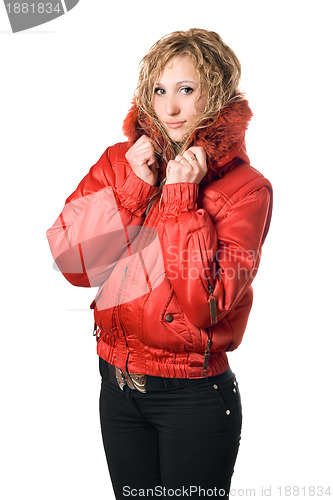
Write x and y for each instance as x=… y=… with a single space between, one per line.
x=149 y=383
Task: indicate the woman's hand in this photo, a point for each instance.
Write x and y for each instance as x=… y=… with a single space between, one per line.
x=189 y=167
x=142 y=158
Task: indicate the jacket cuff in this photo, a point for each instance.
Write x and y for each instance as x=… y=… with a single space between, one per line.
x=179 y=197
x=135 y=194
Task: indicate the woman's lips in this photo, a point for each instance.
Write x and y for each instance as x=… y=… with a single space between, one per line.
x=174 y=124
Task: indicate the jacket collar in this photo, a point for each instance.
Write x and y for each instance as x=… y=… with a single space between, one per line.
x=223 y=140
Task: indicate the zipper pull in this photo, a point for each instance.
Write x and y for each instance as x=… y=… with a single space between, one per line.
x=212 y=305
x=206 y=358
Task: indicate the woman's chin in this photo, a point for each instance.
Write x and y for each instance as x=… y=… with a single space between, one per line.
x=176 y=136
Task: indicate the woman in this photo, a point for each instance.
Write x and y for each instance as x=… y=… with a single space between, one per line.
x=170 y=226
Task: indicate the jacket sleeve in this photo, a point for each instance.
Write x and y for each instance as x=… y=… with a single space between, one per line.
x=98 y=221
x=212 y=262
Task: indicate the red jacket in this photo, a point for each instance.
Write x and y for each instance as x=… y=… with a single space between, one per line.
x=175 y=280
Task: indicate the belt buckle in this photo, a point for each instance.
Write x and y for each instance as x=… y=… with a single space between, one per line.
x=139 y=381
x=120 y=377
x=133 y=380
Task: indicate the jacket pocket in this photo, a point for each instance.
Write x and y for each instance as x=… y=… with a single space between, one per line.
x=163 y=322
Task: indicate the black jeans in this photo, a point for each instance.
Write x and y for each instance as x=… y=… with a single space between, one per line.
x=177 y=441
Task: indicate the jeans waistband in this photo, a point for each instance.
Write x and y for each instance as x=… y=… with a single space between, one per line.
x=153 y=383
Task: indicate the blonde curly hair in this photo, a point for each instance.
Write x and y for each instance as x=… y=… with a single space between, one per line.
x=219 y=73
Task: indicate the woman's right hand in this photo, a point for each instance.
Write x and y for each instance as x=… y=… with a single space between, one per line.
x=142 y=158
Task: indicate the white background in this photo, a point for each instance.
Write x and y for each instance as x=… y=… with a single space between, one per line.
x=65 y=89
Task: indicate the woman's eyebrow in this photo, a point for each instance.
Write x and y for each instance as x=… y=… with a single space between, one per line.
x=158 y=84
x=186 y=81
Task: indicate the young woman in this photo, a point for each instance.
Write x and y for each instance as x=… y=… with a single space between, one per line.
x=169 y=225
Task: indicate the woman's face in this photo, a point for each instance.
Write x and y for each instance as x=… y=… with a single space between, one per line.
x=177 y=101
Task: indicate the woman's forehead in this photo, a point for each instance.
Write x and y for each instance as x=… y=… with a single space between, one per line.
x=180 y=66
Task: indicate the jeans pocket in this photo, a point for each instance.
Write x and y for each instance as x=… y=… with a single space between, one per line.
x=229 y=399
x=238 y=404
x=220 y=395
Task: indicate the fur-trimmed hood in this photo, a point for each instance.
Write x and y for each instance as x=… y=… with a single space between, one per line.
x=223 y=140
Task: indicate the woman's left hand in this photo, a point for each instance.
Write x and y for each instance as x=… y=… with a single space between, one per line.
x=189 y=167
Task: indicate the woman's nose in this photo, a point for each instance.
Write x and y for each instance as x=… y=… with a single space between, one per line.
x=172 y=107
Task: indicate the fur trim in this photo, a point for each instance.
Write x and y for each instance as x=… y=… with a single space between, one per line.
x=223 y=140
x=131 y=127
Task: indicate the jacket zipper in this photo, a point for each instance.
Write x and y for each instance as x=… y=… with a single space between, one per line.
x=125 y=275
x=213 y=320
x=151 y=203
x=212 y=305
x=96 y=331
x=206 y=358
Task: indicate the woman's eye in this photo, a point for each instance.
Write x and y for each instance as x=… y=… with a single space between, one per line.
x=186 y=90
x=159 y=91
